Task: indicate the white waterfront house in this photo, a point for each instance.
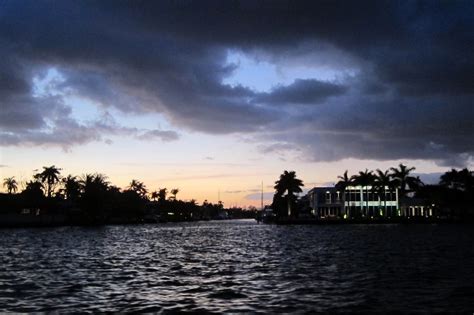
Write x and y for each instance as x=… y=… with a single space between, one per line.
x=354 y=201
x=365 y=202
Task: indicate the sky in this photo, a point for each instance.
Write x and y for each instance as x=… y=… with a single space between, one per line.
x=217 y=97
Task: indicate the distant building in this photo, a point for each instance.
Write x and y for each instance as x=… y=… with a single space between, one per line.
x=326 y=202
x=416 y=207
x=362 y=201
x=355 y=201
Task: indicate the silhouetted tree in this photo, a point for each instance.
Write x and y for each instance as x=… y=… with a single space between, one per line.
x=401 y=177
x=414 y=183
x=290 y=184
x=193 y=208
x=174 y=192
x=132 y=204
x=72 y=187
x=33 y=194
x=138 y=187
x=114 y=189
x=11 y=184
x=279 y=205
x=162 y=192
x=459 y=180
x=458 y=193
x=343 y=183
x=381 y=182
x=154 y=195
x=50 y=176
x=365 y=179
x=94 y=191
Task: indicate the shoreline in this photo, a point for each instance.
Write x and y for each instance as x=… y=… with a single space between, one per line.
x=404 y=221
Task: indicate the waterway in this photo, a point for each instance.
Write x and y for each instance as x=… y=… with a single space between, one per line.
x=238 y=266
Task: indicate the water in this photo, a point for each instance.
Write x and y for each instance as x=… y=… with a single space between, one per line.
x=237 y=266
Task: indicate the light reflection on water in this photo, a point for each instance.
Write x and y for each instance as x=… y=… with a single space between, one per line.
x=238 y=266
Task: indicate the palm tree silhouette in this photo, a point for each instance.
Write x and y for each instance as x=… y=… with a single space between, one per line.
x=154 y=195
x=72 y=187
x=365 y=179
x=381 y=182
x=162 y=192
x=94 y=188
x=458 y=180
x=50 y=176
x=174 y=192
x=138 y=187
x=414 y=183
x=91 y=183
x=33 y=193
x=11 y=184
x=401 y=177
x=342 y=184
x=34 y=185
x=290 y=184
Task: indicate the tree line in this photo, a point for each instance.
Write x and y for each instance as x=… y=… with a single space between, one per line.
x=91 y=198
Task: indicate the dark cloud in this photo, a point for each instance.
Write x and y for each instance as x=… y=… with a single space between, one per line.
x=404 y=86
x=65 y=132
x=302 y=92
x=280 y=149
x=163 y=135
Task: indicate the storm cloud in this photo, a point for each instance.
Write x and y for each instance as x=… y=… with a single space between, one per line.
x=403 y=86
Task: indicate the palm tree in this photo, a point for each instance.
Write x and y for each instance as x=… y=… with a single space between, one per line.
x=449 y=179
x=94 y=188
x=34 y=185
x=138 y=187
x=154 y=195
x=381 y=182
x=342 y=184
x=162 y=192
x=91 y=183
x=458 y=180
x=33 y=193
x=193 y=207
x=11 y=184
x=113 y=189
x=401 y=176
x=72 y=187
x=86 y=182
x=414 y=183
x=290 y=184
x=174 y=192
x=365 y=179
x=50 y=176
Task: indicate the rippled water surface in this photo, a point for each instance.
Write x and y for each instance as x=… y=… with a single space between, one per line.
x=238 y=266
